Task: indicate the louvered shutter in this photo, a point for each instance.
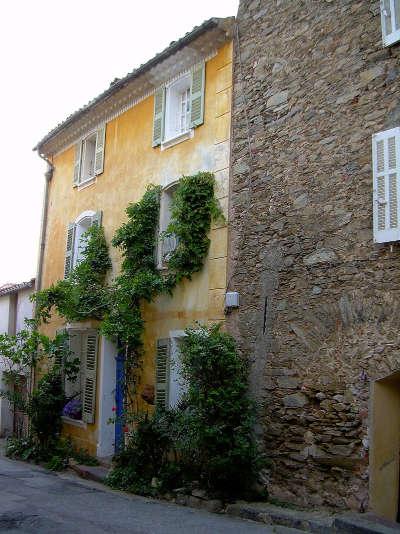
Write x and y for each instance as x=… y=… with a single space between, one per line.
x=162 y=372
x=96 y=218
x=390 y=19
x=89 y=357
x=100 y=146
x=197 y=96
x=69 y=253
x=386 y=195
x=159 y=107
x=78 y=162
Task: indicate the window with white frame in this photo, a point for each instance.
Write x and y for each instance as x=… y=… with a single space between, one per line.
x=89 y=157
x=170 y=384
x=179 y=107
x=390 y=20
x=167 y=242
x=76 y=233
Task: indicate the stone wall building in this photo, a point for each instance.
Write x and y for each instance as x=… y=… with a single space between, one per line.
x=319 y=299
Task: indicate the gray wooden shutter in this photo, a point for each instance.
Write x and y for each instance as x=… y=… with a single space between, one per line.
x=100 y=146
x=89 y=353
x=78 y=161
x=197 y=96
x=96 y=218
x=386 y=185
x=69 y=253
x=390 y=21
x=162 y=372
x=158 y=124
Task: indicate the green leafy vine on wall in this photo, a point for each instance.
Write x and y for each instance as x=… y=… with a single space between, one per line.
x=118 y=306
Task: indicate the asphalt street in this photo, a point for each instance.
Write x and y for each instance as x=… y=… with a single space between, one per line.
x=34 y=500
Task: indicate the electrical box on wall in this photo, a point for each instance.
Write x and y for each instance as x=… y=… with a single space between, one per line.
x=232 y=299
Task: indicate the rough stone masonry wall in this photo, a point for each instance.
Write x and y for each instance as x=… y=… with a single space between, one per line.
x=319 y=313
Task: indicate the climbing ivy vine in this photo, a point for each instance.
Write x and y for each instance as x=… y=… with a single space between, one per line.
x=118 y=306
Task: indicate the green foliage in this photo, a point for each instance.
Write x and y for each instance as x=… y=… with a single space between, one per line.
x=83 y=294
x=57 y=463
x=139 y=279
x=210 y=434
x=218 y=420
x=194 y=206
x=146 y=456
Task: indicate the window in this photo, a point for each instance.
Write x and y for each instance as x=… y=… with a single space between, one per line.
x=170 y=385
x=81 y=392
x=75 y=236
x=390 y=20
x=166 y=243
x=89 y=157
x=386 y=179
x=178 y=108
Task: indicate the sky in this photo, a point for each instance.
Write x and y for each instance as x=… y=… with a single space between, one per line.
x=55 y=57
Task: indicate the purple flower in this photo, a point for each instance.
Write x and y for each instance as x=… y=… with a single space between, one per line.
x=73 y=409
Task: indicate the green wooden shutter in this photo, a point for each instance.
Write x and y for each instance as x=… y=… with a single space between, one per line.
x=197 y=96
x=100 y=145
x=162 y=372
x=96 y=218
x=78 y=161
x=89 y=353
x=69 y=253
x=159 y=107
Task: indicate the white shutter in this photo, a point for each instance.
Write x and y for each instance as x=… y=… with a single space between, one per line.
x=100 y=145
x=162 y=373
x=89 y=357
x=69 y=252
x=390 y=21
x=386 y=179
x=78 y=163
x=158 y=124
x=197 y=96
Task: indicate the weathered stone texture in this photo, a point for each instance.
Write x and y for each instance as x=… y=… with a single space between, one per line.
x=319 y=301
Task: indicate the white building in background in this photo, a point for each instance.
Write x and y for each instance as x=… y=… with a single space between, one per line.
x=15 y=307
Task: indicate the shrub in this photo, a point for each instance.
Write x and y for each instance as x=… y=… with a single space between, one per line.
x=216 y=438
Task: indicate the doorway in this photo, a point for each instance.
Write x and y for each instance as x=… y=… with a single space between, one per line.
x=385 y=447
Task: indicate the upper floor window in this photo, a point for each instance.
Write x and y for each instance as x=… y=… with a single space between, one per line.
x=167 y=243
x=179 y=107
x=89 y=157
x=75 y=238
x=386 y=185
x=390 y=18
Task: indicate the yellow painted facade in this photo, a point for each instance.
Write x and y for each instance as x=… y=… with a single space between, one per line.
x=130 y=164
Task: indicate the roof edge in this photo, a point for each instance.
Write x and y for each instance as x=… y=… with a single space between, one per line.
x=175 y=46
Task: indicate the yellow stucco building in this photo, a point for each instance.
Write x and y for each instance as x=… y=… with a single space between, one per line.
x=168 y=118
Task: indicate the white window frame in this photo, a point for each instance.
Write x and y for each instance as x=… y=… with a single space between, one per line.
x=173 y=132
x=394 y=35
x=76 y=422
x=80 y=229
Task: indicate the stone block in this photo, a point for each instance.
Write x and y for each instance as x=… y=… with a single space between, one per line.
x=297 y=400
x=277 y=99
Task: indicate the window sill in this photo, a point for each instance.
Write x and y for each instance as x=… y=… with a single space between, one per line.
x=178 y=139
x=73 y=422
x=86 y=183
